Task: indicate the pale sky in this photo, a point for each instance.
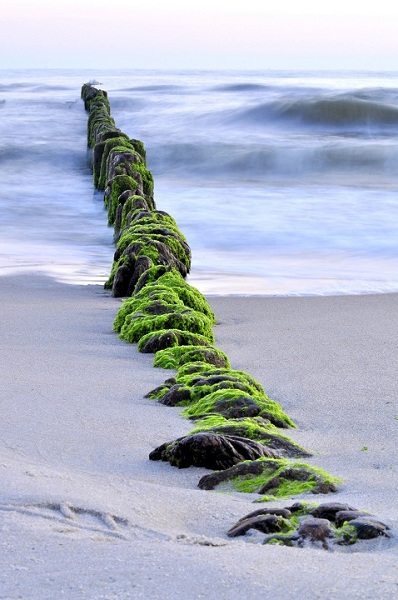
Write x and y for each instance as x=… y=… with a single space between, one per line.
x=200 y=34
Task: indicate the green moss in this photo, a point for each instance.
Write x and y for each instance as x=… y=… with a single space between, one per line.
x=166 y=338
x=280 y=478
x=116 y=143
x=172 y=358
x=247 y=380
x=118 y=185
x=174 y=281
x=147 y=234
x=184 y=319
x=196 y=367
x=347 y=534
x=147 y=179
x=235 y=403
x=133 y=205
x=135 y=215
x=134 y=305
x=140 y=148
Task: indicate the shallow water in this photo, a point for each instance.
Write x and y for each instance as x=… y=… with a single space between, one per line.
x=283 y=183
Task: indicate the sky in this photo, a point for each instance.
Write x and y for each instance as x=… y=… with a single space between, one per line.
x=199 y=34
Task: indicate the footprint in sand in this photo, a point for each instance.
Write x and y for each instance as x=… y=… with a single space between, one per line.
x=87 y=520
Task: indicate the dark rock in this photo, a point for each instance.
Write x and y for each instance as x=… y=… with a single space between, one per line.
x=264 y=523
x=328 y=510
x=159 y=340
x=315 y=530
x=343 y=516
x=367 y=528
x=210 y=451
x=249 y=468
x=282 y=444
x=282 y=512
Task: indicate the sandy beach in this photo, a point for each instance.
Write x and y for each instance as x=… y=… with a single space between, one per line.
x=85 y=515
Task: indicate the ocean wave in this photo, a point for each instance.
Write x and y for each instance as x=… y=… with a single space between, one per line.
x=338 y=112
x=240 y=87
x=220 y=160
x=28 y=155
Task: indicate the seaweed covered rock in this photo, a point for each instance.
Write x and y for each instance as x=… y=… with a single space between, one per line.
x=165 y=284
x=173 y=358
x=233 y=404
x=114 y=189
x=182 y=318
x=152 y=342
x=210 y=451
x=277 y=477
x=266 y=523
x=196 y=388
x=157 y=251
x=145 y=233
x=256 y=428
x=301 y=527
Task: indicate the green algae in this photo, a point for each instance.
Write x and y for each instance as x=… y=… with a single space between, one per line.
x=119 y=144
x=135 y=305
x=133 y=205
x=119 y=184
x=247 y=380
x=173 y=280
x=158 y=252
x=166 y=338
x=173 y=358
x=136 y=234
x=137 y=216
x=235 y=403
x=277 y=478
x=183 y=318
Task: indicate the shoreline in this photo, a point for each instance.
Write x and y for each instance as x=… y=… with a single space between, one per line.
x=76 y=432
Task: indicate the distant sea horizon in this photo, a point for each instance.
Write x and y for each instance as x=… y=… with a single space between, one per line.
x=283 y=182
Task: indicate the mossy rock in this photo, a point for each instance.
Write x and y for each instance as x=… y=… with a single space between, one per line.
x=256 y=429
x=171 y=278
x=116 y=187
x=99 y=126
x=152 y=342
x=182 y=318
x=210 y=451
x=140 y=148
x=91 y=94
x=147 y=234
x=122 y=162
x=141 y=303
x=159 y=217
x=120 y=143
x=184 y=394
x=219 y=374
x=158 y=252
x=127 y=274
x=302 y=527
x=173 y=358
x=280 y=478
x=136 y=167
x=233 y=404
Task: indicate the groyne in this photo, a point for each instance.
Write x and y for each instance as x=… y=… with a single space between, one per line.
x=239 y=432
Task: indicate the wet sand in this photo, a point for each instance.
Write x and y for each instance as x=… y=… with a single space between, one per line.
x=84 y=513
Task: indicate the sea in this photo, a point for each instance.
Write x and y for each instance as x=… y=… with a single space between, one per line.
x=283 y=182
